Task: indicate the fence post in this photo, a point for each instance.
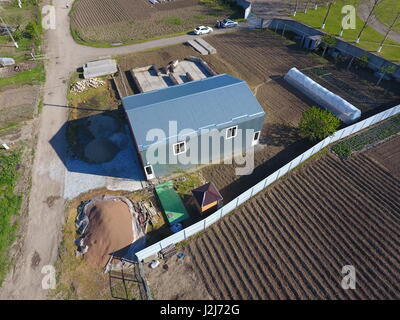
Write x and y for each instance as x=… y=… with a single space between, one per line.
x=276 y=27
x=277 y=176
x=184 y=233
x=265 y=183
x=283 y=31
x=205 y=224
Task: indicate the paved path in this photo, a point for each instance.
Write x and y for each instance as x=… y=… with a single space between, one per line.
x=44 y=225
x=363 y=12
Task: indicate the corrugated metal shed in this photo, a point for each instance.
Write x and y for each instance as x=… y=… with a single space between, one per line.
x=215 y=102
x=99 y=68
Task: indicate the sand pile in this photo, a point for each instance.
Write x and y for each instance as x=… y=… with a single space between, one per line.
x=109 y=230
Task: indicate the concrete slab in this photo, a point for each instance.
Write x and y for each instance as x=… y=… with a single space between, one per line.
x=197 y=47
x=149 y=79
x=210 y=49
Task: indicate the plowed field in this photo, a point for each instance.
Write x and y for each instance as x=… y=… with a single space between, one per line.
x=127 y=20
x=292 y=240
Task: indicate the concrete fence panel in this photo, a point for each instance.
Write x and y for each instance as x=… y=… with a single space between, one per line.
x=172 y=239
x=193 y=229
x=213 y=218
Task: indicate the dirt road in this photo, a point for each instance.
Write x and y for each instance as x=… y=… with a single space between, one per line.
x=44 y=225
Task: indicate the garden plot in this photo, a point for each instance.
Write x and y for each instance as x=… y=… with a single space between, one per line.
x=115 y=21
x=387 y=154
x=357 y=87
x=292 y=240
x=17 y=104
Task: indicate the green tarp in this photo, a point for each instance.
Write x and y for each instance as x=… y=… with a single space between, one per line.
x=172 y=204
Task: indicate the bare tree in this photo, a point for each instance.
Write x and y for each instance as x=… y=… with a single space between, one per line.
x=9 y=33
x=306 y=7
x=367 y=20
x=327 y=14
x=388 y=31
x=295 y=8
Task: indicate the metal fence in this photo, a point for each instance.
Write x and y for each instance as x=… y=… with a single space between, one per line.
x=205 y=223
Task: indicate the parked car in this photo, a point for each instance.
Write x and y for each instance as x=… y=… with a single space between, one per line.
x=227 y=23
x=202 y=30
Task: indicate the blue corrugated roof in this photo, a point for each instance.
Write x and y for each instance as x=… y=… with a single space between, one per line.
x=218 y=101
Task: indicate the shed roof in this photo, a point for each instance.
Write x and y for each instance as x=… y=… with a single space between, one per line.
x=206 y=194
x=215 y=102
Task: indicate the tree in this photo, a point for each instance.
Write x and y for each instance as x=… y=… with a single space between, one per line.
x=388 y=31
x=367 y=20
x=32 y=30
x=317 y=124
x=363 y=60
x=328 y=41
x=385 y=69
x=327 y=14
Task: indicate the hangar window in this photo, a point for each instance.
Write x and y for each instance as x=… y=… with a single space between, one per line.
x=231 y=132
x=179 y=147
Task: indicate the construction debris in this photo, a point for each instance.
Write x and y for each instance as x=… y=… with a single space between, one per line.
x=168 y=252
x=84 y=85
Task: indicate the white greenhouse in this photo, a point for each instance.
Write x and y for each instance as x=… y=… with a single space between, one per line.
x=344 y=110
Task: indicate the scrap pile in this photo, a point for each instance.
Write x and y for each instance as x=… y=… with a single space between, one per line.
x=146 y=213
x=83 y=85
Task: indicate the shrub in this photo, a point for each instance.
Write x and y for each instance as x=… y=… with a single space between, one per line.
x=32 y=30
x=317 y=124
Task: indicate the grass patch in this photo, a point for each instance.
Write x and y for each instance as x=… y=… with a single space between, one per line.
x=35 y=75
x=171 y=20
x=10 y=204
x=187 y=182
x=345 y=148
x=386 y=12
x=370 y=38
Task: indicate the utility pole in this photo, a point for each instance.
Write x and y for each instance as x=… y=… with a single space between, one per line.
x=366 y=21
x=9 y=33
x=387 y=33
x=327 y=14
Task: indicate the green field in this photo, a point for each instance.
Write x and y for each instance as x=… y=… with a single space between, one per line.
x=370 y=38
x=386 y=12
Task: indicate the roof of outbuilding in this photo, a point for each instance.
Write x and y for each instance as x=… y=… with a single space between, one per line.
x=215 y=102
x=206 y=194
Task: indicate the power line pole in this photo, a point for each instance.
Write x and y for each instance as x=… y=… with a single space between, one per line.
x=387 y=33
x=366 y=21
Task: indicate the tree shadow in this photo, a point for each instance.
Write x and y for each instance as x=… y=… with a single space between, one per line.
x=99 y=144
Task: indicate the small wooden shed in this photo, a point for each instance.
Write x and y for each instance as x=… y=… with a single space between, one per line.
x=207 y=197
